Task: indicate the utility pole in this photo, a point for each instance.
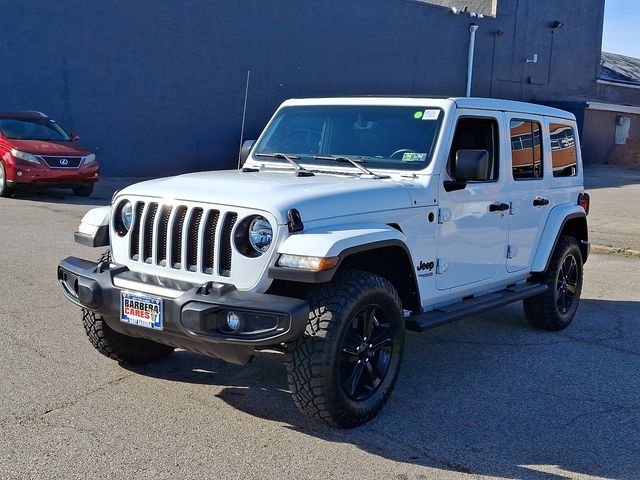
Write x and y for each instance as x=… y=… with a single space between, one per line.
x=472 y=45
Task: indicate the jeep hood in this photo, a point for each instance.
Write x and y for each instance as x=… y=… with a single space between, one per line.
x=318 y=197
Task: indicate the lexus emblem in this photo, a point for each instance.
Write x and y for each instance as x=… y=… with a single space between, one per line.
x=64 y=161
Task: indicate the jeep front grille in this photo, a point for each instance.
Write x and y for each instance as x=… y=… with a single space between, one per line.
x=225 y=253
x=182 y=237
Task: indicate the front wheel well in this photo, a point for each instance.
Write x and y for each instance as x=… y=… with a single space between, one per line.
x=392 y=263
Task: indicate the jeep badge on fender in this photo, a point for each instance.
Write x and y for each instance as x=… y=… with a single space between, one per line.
x=317 y=242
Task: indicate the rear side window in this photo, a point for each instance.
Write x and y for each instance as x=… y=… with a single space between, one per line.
x=563 y=150
x=526 y=150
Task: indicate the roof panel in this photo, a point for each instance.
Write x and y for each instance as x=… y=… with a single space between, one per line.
x=445 y=103
x=511 y=106
x=620 y=68
x=486 y=7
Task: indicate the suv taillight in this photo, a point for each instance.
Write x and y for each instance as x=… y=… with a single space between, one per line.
x=583 y=201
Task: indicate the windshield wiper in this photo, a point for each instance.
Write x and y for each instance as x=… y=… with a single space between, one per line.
x=355 y=163
x=301 y=171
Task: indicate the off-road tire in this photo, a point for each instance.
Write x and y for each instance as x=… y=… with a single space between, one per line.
x=83 y=190
x=543 y=311
x=5 y=189
x=105 y=257
x=314 y=362
x=118 y=346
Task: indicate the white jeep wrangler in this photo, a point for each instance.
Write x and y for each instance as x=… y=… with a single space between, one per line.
x=350 y=220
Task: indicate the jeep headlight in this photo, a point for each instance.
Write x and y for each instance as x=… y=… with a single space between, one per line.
x=260 y=234
x=254 y=236
x=27 y=157
x=123 y=218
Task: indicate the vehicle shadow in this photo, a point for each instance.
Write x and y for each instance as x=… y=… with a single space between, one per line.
x=102 y=194
x=486 y=396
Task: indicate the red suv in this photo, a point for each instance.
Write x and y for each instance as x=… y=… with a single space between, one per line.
x=36 y=150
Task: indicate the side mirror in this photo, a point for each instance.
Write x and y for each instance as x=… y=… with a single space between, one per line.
x=74 y=136
x=471 y=166
x=246 y=150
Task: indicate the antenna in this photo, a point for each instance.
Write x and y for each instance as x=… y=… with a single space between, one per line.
x=244 y=116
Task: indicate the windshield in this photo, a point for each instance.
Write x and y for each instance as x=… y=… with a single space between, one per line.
x=32 y=129
x=389 y=137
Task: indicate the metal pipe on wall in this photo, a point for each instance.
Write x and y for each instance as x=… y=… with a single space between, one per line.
x=472 y=45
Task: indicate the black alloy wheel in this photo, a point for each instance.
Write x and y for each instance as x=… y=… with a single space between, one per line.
x=555 y=309
x=367 y=348
x=567 y=284
x=343 y=369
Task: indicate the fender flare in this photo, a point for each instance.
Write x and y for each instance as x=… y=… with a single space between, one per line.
x=556 y=222
x=9 y=172
x=341 y=242
x=94 y=228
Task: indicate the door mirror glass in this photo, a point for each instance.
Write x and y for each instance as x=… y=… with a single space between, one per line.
x=471 y=166
x=246 y=150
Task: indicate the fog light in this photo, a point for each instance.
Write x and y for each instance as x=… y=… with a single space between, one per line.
x=233 y=321
x=19 y=174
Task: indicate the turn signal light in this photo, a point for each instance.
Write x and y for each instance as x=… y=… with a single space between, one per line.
x=313 y=264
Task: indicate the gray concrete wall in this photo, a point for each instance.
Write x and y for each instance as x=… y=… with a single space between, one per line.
x=598 y=139
x=597 y=136
x=617 y=94
x=157 y=86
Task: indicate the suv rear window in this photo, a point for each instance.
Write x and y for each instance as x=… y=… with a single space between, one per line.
x=563 y=150
x=526 y=150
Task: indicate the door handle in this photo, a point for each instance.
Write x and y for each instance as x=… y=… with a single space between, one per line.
x=499 y=207
x=540 y=202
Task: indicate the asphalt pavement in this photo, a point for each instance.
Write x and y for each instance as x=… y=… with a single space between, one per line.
x=614 y=220
x=487 y=397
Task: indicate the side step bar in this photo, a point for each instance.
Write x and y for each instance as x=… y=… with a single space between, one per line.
x=450 y=313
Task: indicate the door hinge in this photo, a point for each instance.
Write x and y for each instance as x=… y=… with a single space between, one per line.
x=444 y=215
x=441 y=266
x=512 y=250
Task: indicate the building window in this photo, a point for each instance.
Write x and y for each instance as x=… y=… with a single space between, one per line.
x=526 y=150
x=563 y=150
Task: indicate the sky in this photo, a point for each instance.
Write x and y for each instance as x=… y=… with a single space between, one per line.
x=622 y=27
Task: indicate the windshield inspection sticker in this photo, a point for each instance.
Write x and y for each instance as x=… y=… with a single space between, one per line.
x=414 y=157
x=430 y=114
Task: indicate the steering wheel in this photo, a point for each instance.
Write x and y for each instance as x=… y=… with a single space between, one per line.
x=402 y=150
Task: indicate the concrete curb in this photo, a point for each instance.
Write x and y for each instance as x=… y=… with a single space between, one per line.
x=603 y=250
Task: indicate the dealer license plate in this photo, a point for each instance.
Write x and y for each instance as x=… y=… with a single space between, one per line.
x=141 y=310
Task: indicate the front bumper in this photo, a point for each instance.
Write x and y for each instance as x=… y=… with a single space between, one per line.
x=45 y=176
x=190 y=312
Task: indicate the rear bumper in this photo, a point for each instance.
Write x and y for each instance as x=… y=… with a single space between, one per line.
x=192 y=314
